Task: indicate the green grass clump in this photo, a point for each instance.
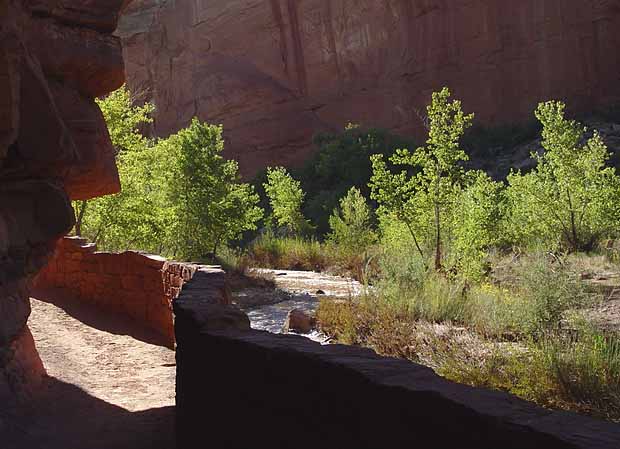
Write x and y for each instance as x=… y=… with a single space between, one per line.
x=578 y=373
x=287 y=253
x=526 y=335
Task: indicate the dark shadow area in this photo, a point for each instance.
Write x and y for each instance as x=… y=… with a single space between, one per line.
x=98 y=318
x=63 y=416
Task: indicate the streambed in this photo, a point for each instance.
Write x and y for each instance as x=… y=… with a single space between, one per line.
x=269 y=307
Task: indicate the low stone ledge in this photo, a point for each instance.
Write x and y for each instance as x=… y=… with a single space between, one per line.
x=139 y=286
x=243 y=388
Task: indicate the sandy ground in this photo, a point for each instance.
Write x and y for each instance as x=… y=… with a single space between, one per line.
x=111 y=384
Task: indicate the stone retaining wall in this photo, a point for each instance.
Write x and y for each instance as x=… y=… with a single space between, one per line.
x=137 y=285
x=240 y=389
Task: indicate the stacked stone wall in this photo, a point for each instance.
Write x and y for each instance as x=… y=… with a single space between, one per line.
x=132 y=284
x=239 y=388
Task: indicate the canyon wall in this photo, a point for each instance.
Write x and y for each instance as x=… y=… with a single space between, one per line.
x=139 y=286
x=275 y=72
x=55 y=57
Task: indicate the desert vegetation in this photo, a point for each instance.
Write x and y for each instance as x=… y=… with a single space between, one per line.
x=490 y=280
x=180 y=197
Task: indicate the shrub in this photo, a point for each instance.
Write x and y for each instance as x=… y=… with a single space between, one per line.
x=571 y=199
x=351 y=227
x=132 y=218
x=211 y=206
x=341 y=161
x=577 y=371
x=286 y=198
x=547 y=290
x=578 y=374
x=586 y=371
x=287 y=253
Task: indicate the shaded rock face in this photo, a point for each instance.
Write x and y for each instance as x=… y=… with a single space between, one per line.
x=55 y=57
x=347 y=396
x=275 y=72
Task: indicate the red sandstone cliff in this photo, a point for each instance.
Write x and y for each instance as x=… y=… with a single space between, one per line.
x=55 y=57
x=274 y=72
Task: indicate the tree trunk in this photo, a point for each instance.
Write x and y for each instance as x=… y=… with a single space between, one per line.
x=437 y=218
x=438 y=239
x=417 y=245
x=575 y=237
x=80 y=218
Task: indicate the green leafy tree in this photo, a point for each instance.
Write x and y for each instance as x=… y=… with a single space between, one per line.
x=179 y=196
x=476 y=224
x=128 y=217
x=426 y=200
x=341 y=161
x=351 y=224
x=211 y=207
x=571 y=199
x=124 y=119
x=286 y=199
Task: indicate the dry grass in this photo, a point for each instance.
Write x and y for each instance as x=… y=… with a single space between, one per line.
x=526 y=337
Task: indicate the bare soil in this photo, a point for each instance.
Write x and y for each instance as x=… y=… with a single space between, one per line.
x=111 y=384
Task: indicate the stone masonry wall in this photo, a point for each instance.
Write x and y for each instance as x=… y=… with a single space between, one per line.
x=136 y=285
x=239 y=389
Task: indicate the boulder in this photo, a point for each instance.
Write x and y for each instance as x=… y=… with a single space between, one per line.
x=299 y=321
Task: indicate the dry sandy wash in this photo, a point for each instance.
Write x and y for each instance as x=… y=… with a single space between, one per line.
x=111 y=384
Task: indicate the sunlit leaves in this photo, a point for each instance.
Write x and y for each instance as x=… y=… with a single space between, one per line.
x=571 y=199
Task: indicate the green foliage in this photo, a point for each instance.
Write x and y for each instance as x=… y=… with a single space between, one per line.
x=341 y=161
x=288 y=253
x=581 y=374
x=286 y=198
x=441 y=202
x=351 y=224
x=518 y=339
x=211 y=206
x=179 y=196
x=571 y=199
x=130 y=218
x=547 y=292
x=476 y=225
x=137 y=217
x=585 y=371
x=124 y=120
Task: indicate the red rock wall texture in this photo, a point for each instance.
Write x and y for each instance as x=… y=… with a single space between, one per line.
x=136 y=285
x=55 y=57
x=275 y=72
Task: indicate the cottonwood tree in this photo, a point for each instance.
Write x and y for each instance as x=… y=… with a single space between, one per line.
x=117 y=219
x=425 y=194
x=286 y=198
x=571 y=199
x=211 y=205
x=351 y=223
x=179 y=196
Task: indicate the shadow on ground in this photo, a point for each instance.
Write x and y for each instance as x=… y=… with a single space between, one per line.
x=65 y=417
x=98 y=318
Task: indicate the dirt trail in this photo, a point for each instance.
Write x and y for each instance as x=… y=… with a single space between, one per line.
x=110 y=385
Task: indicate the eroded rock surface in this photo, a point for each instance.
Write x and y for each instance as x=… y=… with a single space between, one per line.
x=275 y=72
x=55 y=57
